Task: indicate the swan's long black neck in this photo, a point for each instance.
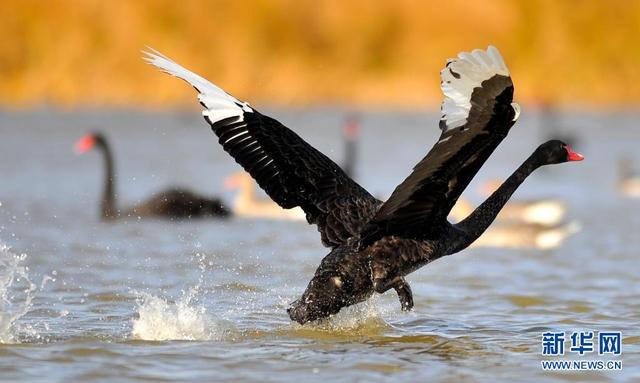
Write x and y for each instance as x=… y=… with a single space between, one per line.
x=469 y=229
x=350 y=152
x=108 y=203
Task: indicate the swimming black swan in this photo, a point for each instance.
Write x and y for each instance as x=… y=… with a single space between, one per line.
x=171 y=203
x=374 y=245
x=351 y=131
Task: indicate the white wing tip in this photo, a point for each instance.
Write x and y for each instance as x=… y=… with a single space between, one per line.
x=219 y=103
x=516 y=109
x=485 y=62
x=163 y=63
x=463 y=74
x=151 y=55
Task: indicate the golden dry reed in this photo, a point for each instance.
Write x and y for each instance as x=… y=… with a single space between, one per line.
x=373 y=53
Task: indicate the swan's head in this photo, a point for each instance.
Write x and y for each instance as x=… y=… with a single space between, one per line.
x=352 y=127
x=557 y=152
x=88 y=142
x=325 y=295
x=239 y=180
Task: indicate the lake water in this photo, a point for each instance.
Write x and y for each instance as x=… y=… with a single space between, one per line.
x=84 y=300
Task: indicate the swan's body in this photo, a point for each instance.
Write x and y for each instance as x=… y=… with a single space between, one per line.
x=246 y=204
x=174 y=203
x=351 y=132
x=549 y=212
x=522 y=225
x=374 y=245
x=525 y=236
x=630 y=187
x=544 y=212
x=629 y=181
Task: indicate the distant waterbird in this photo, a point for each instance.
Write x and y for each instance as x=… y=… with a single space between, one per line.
x=246 y=203
x=351 y=133
x=173 y=203
x=526 y=235
x=628 y=180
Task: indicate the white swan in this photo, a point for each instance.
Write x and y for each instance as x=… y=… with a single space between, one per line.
x=247 y=204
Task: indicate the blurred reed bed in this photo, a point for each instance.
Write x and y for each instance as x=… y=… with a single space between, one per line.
x=388 y=52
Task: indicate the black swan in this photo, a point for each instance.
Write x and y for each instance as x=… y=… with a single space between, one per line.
x=172 y=203
x=351 y=131
x=374 y=245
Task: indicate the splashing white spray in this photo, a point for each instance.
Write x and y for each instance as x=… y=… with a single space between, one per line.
x=160 y=319
x=16 y=292
x=365 y=318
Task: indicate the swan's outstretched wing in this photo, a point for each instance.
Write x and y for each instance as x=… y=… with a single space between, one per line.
x=291 y=171
x=477 y=114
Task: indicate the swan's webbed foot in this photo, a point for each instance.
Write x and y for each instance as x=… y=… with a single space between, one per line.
x=404 y=294
x=402 y=288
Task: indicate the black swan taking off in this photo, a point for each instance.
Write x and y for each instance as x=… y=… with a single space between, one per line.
x=374 y=245
x=171 y=203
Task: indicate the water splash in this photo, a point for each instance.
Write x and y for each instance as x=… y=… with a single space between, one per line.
x=161 y=319
x=366 y=318
x=361 y=316
x=16 y=292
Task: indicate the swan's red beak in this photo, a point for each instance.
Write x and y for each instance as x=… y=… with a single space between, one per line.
x=574 y=156
x=84 y=144
x=351 y=128
x=230 y=183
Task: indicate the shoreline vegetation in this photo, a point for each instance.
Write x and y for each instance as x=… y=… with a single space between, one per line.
x=66 y=53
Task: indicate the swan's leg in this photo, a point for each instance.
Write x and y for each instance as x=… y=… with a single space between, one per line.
x=381 y=285
x=404 y=294
x=402 y=288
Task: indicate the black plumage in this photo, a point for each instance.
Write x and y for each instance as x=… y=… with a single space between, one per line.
x=375 y=245
x=419 y=206
x=293 y=173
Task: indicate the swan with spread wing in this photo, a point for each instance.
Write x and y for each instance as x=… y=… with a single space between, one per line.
x=374 y=245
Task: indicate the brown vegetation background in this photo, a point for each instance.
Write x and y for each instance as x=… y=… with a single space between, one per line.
x=87 y=52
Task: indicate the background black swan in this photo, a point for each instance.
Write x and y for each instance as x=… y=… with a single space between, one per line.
x=374 y=245
x=174 y=203
x=351 y=132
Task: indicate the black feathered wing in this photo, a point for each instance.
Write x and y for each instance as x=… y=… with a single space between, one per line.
x=477 y=114
x=291 y=171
